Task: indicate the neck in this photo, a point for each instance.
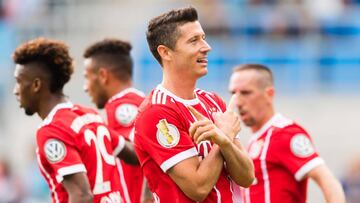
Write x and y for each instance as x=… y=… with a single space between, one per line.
x=117 y=87
x=181 y=87
x=266 y=118
x=48 y=103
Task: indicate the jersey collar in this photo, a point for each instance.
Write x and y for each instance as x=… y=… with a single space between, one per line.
x=50 y=116
x=275 y=119
x=124 y=92
x=186 y=102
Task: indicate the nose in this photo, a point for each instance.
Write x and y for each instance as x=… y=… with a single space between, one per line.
x=238 y=99
x=206 y=47
x=15 y=91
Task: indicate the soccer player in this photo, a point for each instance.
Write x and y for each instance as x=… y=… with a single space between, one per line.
x=184 y=137
x=74 y=146
x=282 y=151
x=108 y=74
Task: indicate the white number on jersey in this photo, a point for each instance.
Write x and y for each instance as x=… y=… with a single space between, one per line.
x=102 y=132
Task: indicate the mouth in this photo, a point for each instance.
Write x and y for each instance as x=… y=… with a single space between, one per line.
x=202 y=60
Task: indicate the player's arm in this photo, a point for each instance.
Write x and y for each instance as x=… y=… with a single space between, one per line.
x=329 y=185
x=238 y=164
x=123 y=149
x=157 y=129
x=196 y=178
x=78 y=188
x=128 y=154
x=146 y=196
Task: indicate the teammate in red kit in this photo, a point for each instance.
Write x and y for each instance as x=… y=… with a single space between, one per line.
x=183 y=135
x=74 y=146
x=108 y=73
x=283 y=152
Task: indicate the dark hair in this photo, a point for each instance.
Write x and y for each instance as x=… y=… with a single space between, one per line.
x=53 y=56
x=113 y=54
x=163 y=29
x=267 y=76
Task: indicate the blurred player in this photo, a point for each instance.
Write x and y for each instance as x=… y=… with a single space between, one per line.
x=108 y=73
x=283 y=152
x=182 y=152
x=75 y=148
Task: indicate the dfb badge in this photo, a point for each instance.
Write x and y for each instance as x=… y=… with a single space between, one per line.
x=55 y=150
x=125 y=114
x=301 y=146
x=167 y=134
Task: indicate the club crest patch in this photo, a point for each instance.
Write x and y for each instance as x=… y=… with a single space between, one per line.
x=55 y=150
x=167 y=134
x=301 y=146
x=126 y=113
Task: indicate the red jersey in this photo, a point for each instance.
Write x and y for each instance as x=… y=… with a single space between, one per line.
x=283 y=153
x=162 y=141
x=74 y=139
x=121 y=111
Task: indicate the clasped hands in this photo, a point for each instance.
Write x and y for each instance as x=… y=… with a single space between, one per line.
x=222 y=131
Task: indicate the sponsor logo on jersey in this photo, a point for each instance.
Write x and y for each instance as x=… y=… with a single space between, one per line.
x=126 y=113
x=167 y=134
x=301 y=146
x=55 y=150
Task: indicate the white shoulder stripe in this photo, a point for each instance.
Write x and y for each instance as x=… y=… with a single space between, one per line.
x=153 y=97
x=80 y=121
x=211 y=99
x=158 y=98
x=163 y=101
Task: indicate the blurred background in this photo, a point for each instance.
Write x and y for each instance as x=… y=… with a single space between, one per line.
x=313 y=48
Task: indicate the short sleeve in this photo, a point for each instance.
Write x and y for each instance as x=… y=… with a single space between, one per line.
x=295 y=150
x=161 y=134
x=121 y=117
x=59 y=151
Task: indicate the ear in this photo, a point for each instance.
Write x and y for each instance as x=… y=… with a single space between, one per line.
x=103 y=75
x=270 y=92
x=36 y=85
x=164 y=52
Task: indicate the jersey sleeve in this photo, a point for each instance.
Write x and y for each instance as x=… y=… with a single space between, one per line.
x=295 y=150
x=121 y=117
x=60 y=151
x=161 y=134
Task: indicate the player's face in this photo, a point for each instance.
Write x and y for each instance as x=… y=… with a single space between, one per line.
x=92 y=84
x=191 y=49
x=252 y=100
x=23 y=89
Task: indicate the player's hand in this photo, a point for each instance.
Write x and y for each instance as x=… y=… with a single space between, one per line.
x=205 y=129
x=229 y=121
